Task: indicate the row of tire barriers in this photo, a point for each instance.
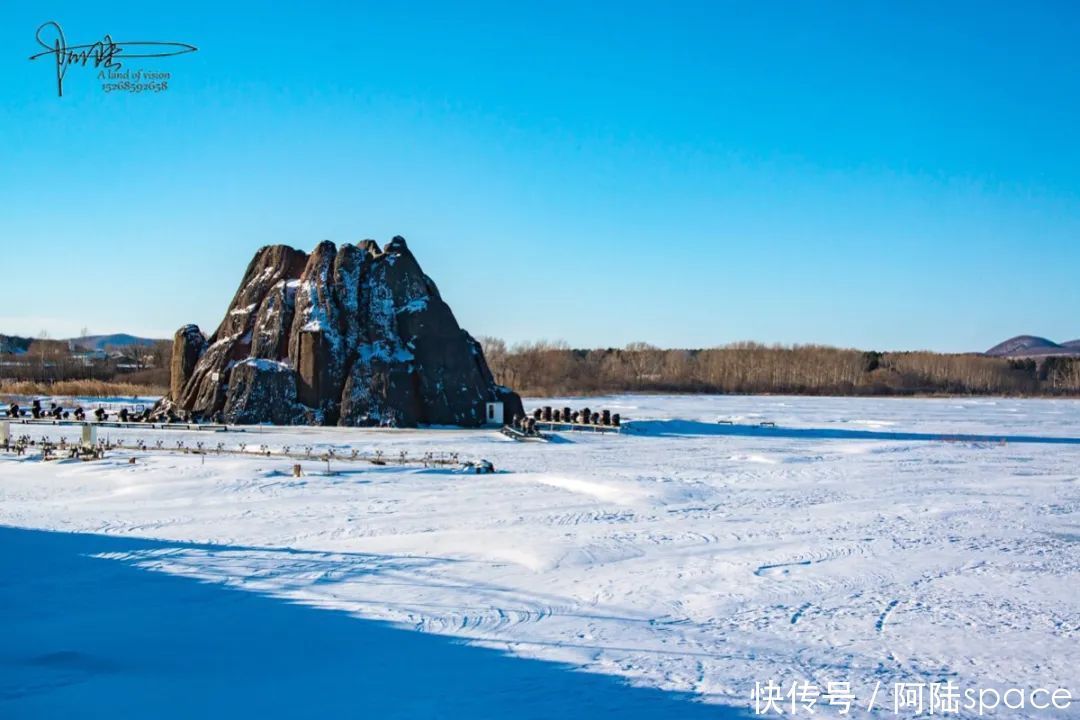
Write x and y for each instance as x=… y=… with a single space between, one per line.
x=584 y=416
x=57 y=414
x=566 y=418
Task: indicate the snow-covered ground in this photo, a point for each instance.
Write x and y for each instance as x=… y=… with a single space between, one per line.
x=868 y=541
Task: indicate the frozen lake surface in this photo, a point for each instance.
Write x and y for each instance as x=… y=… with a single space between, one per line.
x=868 y=541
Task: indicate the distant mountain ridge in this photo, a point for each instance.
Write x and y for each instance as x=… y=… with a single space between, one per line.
x=15 y=344
x=1028 y=346
x=1021 y=346
x=100 y=342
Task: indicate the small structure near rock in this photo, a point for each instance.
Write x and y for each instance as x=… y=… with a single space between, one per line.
x=494 y=413
x=89 y=437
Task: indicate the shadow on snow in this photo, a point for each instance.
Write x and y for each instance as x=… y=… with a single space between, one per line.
x=696 y=427
x=89 y=636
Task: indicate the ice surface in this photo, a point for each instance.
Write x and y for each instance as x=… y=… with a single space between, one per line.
x=860 y=540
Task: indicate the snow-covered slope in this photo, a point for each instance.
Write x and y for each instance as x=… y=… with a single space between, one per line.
x=861 y=540
x=1032 y=346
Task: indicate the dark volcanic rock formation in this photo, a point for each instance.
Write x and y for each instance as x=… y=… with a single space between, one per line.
x=188 y=347
x=349 y=335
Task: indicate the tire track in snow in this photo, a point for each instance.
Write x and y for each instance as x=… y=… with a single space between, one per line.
x=780 y=568
x=482 y=619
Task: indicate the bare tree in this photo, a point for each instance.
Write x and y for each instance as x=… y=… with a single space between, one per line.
x=42 y=343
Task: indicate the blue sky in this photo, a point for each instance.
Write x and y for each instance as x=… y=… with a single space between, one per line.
x=878 y=175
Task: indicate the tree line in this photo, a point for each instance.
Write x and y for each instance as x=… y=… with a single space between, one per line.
x=45 y=361
x=553 y=368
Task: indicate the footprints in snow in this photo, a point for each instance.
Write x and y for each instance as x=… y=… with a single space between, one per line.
x=880 y=624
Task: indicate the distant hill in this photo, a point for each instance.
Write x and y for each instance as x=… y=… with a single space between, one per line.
x=1028 y=346
x=14 y=344
x=119 y=340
